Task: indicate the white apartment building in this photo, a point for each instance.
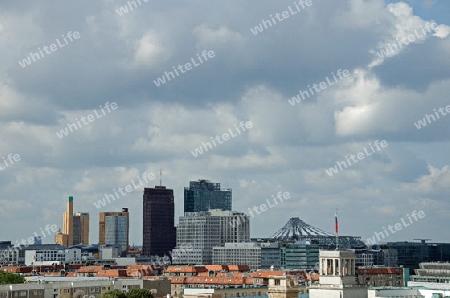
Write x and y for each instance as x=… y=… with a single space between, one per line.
x=43 y=257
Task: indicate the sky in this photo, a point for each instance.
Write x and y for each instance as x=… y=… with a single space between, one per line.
x=93 y=59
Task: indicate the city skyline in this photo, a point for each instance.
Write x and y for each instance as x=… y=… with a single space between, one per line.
x=358 y=71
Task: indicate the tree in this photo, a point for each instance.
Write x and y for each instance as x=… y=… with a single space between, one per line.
x=139 y=293
x=113 y=294
x=7 y=278
x=79 y=294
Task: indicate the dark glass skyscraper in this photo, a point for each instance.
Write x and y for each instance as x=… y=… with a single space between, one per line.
x=203 y=195
x=159 y=233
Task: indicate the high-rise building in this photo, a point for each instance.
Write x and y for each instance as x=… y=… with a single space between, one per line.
x=66 y=237
x=158 y=232
x=199 y=232
x=114 y=228
x=203 y=195
x=81 y=228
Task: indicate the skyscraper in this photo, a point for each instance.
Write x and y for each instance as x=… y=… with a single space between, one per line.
x=203 y=195
x=113 y=226
x=159 y=233
x=116 y=231
x=68 y=221
x=81 y=228
x=199 y=232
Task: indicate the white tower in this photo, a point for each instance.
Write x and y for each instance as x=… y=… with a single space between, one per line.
x=337 y=277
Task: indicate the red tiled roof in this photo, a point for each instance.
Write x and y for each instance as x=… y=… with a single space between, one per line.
x=185 y=269
x=216 y=267
x=139 y=272
x=90 y=269
x=238 y=268
x=112 y=273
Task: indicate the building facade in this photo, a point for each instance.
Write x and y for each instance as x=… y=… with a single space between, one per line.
x=68 y=221
x=337 y=276
x=199 y=232
x=81 y=228
x=270 y=255
x=46 y=287
x=238 y=253
x=203 y=195
x=44 y=257
x=116 y=230
x=383 y=277
x=158 y=231
x=299 y=256
x=115 y=227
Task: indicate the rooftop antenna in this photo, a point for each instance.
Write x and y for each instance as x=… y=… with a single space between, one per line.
x=160 y=177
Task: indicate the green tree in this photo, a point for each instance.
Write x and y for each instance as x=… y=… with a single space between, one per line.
x=113 y=294
x=7 y=278
x=139 y=293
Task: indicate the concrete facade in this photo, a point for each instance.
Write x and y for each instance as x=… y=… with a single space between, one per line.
x=199 y=232
x=283 y=287
x=239 y=254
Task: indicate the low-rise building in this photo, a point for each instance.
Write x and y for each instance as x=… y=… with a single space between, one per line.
x=383 y=277
x=63 y=287
x=239 y=254
x=270 y=255
x=37 y=257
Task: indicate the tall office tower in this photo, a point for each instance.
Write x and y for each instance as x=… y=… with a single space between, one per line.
x=81 y=228
x=114 y=226
x=199 y=232
x=116 y=231
x=158 y=232
x=68 y=221
x=203 y=195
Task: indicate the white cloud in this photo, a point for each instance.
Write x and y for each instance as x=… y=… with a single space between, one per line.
x=150 y=51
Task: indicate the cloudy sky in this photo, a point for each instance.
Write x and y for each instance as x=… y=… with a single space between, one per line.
x=251 y=77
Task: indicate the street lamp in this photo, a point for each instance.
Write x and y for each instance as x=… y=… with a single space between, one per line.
x=71 y=283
